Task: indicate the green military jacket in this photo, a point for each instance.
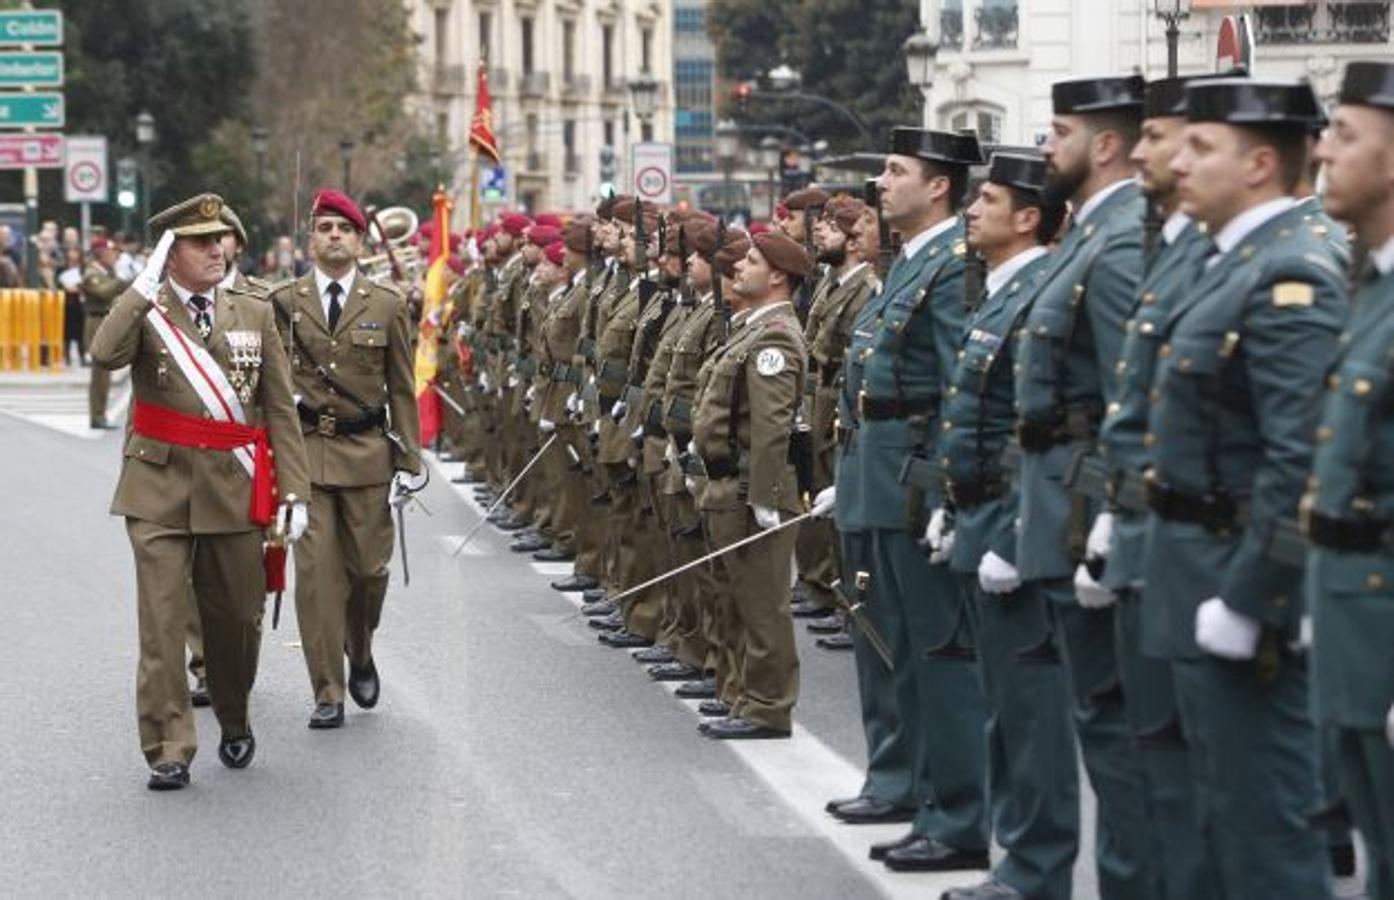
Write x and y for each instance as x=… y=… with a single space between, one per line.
x=100 y=289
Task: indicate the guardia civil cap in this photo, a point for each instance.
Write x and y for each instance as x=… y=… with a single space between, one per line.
x=937 y=146
x=1249 y=102
x=1018 y=170
x=195 y=216
x=1078 y=96
x=1166 y=97
x=1368 y=84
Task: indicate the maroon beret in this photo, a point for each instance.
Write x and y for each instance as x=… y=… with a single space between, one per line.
x=845 y=211
x=542 y=235
x=555 y=253
x=515 y=223
x=547 y=219
x=329 y=202
x=784 y=254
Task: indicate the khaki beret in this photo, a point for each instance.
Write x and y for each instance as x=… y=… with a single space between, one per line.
x=197 y=215
x=784 y=254
x=578 y=234
x=808 y=198
x=845 y=211
x=733 y=250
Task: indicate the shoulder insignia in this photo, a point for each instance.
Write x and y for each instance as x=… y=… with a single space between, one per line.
x=960 y=248
x=1293 y=293
x=770 y=361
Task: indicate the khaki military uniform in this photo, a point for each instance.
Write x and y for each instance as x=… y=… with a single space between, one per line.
x=186 y=515
x=341 y=562
x=560 y=330
x=100 y=289
x=746 y=403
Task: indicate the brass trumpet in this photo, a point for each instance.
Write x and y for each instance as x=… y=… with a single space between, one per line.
x=392 y=227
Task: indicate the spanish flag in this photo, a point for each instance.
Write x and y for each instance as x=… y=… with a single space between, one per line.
x=427 y=400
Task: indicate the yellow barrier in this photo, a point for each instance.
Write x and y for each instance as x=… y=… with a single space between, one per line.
x=31 y=330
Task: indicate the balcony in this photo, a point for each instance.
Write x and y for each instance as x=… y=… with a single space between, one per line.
x=997 y=28
x=448 y=79
x=951 y=29
x=575 y=87
x=1331 y=22
x=534 y=84
x=616 y=90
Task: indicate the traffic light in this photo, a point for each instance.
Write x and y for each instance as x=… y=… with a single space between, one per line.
x=607 y=163
x=743 y=92
x=126 y=178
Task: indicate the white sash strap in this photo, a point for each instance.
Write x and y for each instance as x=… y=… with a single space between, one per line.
x=205 y=376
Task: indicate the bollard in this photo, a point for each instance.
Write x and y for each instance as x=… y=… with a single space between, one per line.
x=6 y=330
x=33 y=330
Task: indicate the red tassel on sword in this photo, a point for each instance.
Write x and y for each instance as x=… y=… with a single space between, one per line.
x=273 y=560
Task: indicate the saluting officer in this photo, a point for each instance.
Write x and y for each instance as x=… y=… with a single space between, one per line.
x=213 y=446
x=349 y=340
x=923 y=723
x=743 y=416
x=1347 y=508
x=1067 y=354
x=1237 y=390
x=1031 y=756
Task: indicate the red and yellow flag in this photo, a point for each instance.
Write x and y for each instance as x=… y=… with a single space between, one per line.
x=482 y=125
x=433 y=299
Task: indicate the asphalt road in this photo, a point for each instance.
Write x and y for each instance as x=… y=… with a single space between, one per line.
x=511 y=755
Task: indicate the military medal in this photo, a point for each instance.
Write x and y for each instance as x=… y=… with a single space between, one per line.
x=244 y=356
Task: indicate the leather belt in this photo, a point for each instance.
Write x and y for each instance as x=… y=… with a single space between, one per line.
x=1076 y=422
x=1214 y=512
x=1347 y=535
x=829 y=372
x=680 y=410
x=330 y=425
x=613 y=374
x=873 y=409
x=968 y=494
x=653 y=422
x=563 y=373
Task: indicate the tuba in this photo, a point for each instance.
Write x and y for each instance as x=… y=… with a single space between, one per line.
x=390 y=229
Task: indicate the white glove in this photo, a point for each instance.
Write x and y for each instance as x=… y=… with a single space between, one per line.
x=670 y=453
x=531 y=393
x=1222 y=632
x=825 y=503
x=617 y=411
x=1089 y=593
x=938 y=536
x=147 y=283
x=401 y=490
x=1389 y=727
x=296 y=517
x=513 y=381
x=690 y=483
x=1100 y=537
x=765 y=518
x=484 y=383
x=692 y=447
x=546 y=426
x=573 y=403
x=996 y=575
x=637 y=433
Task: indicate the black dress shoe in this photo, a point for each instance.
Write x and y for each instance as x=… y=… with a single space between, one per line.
x=654 y=655
x=237 y=753
x=809 y=609
x=673 y=671
x=574 y=584
x=600 y=608
x=104 y=425
x=624 y=640
x=363 y=685
x=925 y=854
x=554 y=554
x=1342 y=860
x=170 y=776
x=529 y=544
x=199 y=695
x=870 y=811
x=878 y=851
x=511 y=525
x=992 y=889
x=613 y=622
x=742 y=729
x=840 y=641
x=697 y=690
x=327 y=715
x=713 y=708
x=834 y=803
x=594 y=595
x=829 y=624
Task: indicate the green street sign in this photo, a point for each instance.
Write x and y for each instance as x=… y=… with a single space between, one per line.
x=37 y=110
x=40 y=27
x=31 y=69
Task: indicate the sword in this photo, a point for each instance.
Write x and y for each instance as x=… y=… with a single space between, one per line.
x=503 y=495
x=672 y=573
x=402 y=543
x=450 y=402
x=857 y=613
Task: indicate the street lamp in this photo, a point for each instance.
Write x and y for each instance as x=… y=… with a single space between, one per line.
x=728 y=144
x=784 y=78
x=770 y=152
x=1172 y=12
x=261 y=142
x=644 y=92
x=145 y=136
x=346 y=157
x=920 y=52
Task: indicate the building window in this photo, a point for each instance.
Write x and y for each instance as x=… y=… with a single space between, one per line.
x=442 y=35
x=609 y=128
x=607 y=54
x=442 y=129
x=646 y=50
x=568 y=143
x=568 y=51
x=1324 y=22
x=525 y=31
x=531 y=125
x=997 y=25
x=646 y=131
x=986 y=123
x=690 y=20
x=951 y=25
x=486 y=33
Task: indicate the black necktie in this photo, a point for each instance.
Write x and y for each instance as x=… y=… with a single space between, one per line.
x=203 y=316
x=335 y=307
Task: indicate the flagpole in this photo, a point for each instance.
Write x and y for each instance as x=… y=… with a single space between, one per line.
x=474 y=186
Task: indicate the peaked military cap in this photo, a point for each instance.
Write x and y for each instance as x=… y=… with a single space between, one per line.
x=1026 y=173
x=197 y=215
x=1091 y=95
x=937 y=146
x=1245 y=101
x=1166 y=97
x=231 y=219
x=1369 y=84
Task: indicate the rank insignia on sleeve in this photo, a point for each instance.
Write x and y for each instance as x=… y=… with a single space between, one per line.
x=1293 y=293
x=769 y=362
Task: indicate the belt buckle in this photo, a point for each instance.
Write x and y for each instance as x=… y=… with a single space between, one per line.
x=328 y=424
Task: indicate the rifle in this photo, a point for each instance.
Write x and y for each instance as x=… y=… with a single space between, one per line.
x=641 y=244
x=805 y=294
x=724 y=331
x=871 y=194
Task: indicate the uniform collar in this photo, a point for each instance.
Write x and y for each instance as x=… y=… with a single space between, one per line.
x=1008 y=270
x=184 y=293
x=850 y=273
x=322 y=282
x=1173 y=226
x=918 y=242
x=1244 y=224
x=762 y=311
x=1088 y=207
x=1383 y=257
